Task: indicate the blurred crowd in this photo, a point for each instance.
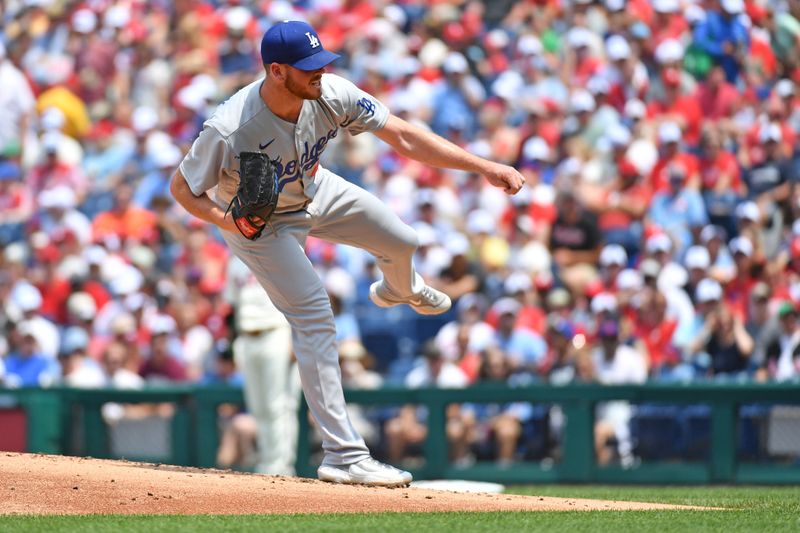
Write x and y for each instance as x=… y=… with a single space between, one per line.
x=656 y=238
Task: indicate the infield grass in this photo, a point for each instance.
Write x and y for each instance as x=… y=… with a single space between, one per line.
x=769 y=509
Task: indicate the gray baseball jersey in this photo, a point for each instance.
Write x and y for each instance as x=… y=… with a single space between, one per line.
x=245 y=123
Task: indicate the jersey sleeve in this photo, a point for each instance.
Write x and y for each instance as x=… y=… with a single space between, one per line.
x=358 y=111
x=202 y=165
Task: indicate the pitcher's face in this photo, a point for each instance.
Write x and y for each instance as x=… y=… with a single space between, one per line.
x=304 y=84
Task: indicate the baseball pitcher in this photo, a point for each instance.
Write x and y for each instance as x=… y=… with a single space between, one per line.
x=260 y=154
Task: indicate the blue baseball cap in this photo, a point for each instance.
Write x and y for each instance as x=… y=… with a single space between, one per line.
x=295 y=43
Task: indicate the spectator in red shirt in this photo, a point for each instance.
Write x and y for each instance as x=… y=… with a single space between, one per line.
x=621 y=207
x=675 y=106
x=53 y=172
x=669 y=137
x=737 y=292
x=717 y=98
x=667 y=21
x=655 y=330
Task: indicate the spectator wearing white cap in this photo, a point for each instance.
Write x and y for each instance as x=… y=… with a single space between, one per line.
x=769 y=180
x=724 y=37
x=722 y=265
x=52 y=171
x=524 y=348
x=679 y=210
x=583 y=107
x=162 y=364
x=60 y=214
x=68 y=149
x=726 y=342
x=23 y=307
x=536 y=161
x=707 y=296
x=123 y=280
x=237 y=54
x=697 y=262
x=670 y=152
x=462 y=275
x=78 y=369
x=26 y=365
x=626 y=74
x=457 y=98
x=737 y=290
x=155 y=184
x=621 y=205
x=613 y=259
x=469 y=333
x=749 y=222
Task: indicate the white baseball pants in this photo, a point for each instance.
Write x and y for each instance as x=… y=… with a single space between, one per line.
x=269 y=391
x=342 y=213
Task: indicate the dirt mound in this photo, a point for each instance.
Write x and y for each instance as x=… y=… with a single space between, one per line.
x=49 y=484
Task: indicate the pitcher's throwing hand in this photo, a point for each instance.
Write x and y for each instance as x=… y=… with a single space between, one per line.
x=505 y=177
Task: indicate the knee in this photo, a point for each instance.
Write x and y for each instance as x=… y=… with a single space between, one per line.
x=405 y=241
x=393 y=429
x=507 y=429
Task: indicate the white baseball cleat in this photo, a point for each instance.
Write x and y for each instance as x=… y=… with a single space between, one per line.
x=428 y=302
x=365 y=472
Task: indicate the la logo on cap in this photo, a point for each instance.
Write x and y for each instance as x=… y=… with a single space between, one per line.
x=297 y=44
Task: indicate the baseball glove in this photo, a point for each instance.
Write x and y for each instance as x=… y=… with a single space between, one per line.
x=257 y=195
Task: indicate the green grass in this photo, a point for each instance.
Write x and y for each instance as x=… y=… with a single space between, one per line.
x=769 y=509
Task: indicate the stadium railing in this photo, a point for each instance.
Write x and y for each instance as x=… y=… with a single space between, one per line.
x=720 y=417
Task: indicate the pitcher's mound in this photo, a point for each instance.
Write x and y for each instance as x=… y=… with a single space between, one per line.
x=50 y=484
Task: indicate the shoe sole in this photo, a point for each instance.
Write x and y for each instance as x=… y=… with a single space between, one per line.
x=380 y=302
x=342 y=478
x=399 y=485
